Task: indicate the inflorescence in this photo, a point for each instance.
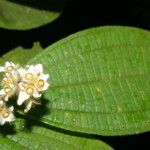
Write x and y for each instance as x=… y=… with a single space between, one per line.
x=26 y=83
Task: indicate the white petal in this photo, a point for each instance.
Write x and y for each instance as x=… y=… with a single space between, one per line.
x=44 y=77
x=6 y=97
x=36 y=94
x=23 y=96
x=10 y=118
x=2 y=92
x=21 y=85
x=31 y=69
x=2 y=69
x=22 y=71
x=28 y=106
x=8 y=75
x=2 y=121
x=7 y=64
x=1 y=102
x=38 y=68
x=11 y=108
x=45 y=87
x=12 y=64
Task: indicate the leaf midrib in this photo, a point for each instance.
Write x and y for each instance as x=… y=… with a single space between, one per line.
x=104 y=113
x=100 y=80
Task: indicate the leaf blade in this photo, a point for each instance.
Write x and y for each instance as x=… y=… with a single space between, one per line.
x=26 y=15
x=90 y=75
x=42 y=138
x=6 y=144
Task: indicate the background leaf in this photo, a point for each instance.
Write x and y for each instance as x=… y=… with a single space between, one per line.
x=21 y=55
x=23 y=15
x=36 y=137
x=100 y=81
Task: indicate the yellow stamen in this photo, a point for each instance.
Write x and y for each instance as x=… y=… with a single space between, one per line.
x=30 y=90
x=40 y=83
x=7 y=89
x=10 y=68
x=29 y=76
x=7 y=80
x=5 y=114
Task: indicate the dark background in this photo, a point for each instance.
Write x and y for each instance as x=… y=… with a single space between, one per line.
x=79 y=15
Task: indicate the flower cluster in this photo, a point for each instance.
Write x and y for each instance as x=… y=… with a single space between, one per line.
x=27 y=83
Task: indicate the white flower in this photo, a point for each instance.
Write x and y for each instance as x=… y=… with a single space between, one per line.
x=9 y=67
x=27 y=92
x=1 y=101
x=10 y=80
x=6 y=114
x=7 y=91
x=41 y=83
x=27 y=83
x=33 y=83
x=31 y=73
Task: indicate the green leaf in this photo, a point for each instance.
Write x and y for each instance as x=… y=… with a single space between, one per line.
x=23 y=15
x=21 y=55
x=99 y=81
x=6 y=144
x=41 y=138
